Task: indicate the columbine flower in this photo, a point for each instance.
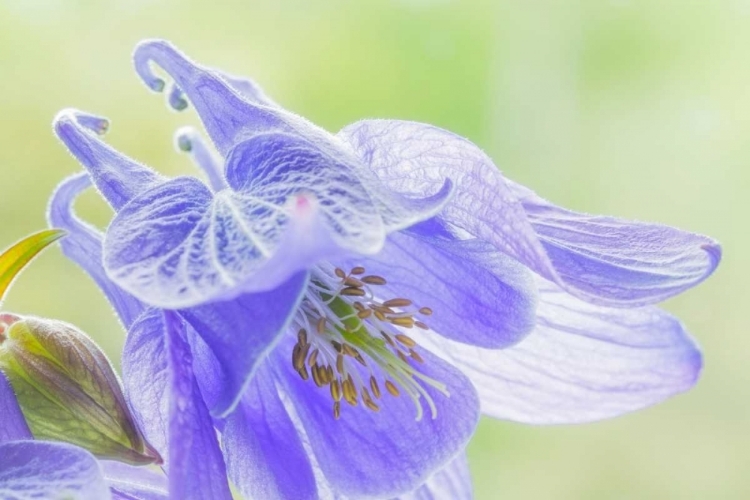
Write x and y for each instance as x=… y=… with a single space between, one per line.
x=344 y=304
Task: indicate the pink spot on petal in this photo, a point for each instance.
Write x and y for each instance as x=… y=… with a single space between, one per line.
x=304 y=203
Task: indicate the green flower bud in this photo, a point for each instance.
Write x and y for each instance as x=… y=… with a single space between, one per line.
x=67 y=389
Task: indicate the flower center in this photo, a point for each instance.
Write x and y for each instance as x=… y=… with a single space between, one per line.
x=346 y=332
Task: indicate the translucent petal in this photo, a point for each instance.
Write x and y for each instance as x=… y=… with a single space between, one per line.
x=600 y=259
x=176 y=246
x=31 y=470
x=452 y=482
x=134 y=483
x=582 y=362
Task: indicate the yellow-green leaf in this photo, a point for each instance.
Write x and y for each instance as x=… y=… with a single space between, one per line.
x=16 y=257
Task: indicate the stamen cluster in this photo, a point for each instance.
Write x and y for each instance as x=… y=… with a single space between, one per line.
x=353 y=342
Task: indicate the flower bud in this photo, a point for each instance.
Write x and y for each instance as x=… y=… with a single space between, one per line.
x=67 y=389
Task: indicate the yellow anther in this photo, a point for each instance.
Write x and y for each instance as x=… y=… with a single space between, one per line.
x=351 y=291
x=391 y=388
x=406 y=321
x=336 y=390
x=374 y=386
x=397 y=303
x=313 y=358
x=407 y=341
x=415 y=356
x=354 y=282
x=364 y=314
x=374 y=280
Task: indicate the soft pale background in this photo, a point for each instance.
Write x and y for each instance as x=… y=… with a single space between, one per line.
x=639 y=109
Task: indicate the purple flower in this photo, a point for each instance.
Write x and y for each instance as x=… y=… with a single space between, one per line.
x=37 y=469
x=390 y=265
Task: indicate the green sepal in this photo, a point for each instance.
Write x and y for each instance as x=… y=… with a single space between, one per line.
x=67 y=389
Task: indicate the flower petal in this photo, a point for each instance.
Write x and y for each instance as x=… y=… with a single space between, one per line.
x=384 y=453
x=273 y=168
x=582 y=363
x=240 y=333
x=83 y=245
x=264 y=453
x=13 y=425
x=175 y=246
x=196 y=464
x=478 y=295
x=638 y=262
x=54 y=471
x=600 y=259
x=146 y=379
x=453 y=482
x=134 y=483
x=147 y=246
x=116 y=176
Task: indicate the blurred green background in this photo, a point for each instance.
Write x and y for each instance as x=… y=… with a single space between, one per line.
x=637 y=109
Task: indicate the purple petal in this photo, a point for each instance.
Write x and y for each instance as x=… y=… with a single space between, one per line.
x=35 y=469
x=582 y=363
x=265 y=456
x=478 y=295
x=83 y=245
x=453 y=482
x=386 y=453
x=600 y=259
x=176 y=246
x=273 y=168
x=146 y=379
x=148 y=240
x=116 y=176
x=241 y=332
x=226 y=353
x=196 y=465
x=134 y=483
x=13 y=425
x=638 y=262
